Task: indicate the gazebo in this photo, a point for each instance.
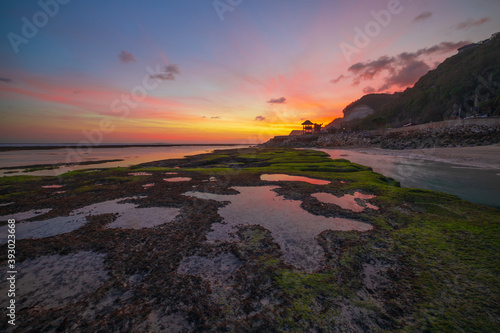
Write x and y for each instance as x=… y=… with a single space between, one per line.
x=307 y=127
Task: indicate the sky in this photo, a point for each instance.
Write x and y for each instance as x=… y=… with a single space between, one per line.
x=213 y=71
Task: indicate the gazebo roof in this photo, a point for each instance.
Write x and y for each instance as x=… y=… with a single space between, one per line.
x=307 y=122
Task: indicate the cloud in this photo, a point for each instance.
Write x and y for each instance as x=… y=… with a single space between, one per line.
x=407 y=76
x=259 y=118
x=401 y=70
x=471 y=23
x=169 y=73
x=126 y=57
x=174 y=69
x=371 y=69
x=422 y=16
x=338 y=79
x=368 y=90
x=215 y=117
x=280 y=100
x=5 y=79
x=163 y=76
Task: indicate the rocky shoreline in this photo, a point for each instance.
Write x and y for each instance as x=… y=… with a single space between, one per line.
x=456 y=136
x=418 y=260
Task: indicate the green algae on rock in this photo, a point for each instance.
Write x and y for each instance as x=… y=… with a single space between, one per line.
x=430 y=262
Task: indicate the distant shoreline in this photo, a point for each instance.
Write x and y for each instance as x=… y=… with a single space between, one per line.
x=482 y=157
x=76 y=146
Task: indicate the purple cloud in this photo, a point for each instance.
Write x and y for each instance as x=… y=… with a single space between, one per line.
x=338 y=79
x=471 y=23
x=398 y=71
x=368 y=90
x=422 y=17
x=168 y=74
x=280 y=100
x=126 y=57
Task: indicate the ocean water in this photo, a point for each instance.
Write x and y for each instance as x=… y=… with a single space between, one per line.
x=474 y=184
x=130 y=156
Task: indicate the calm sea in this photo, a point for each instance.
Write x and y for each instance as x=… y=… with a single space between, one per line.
x=473 y=184
x=129 y=155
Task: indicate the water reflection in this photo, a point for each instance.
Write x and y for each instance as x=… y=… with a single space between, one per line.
x=280 y=177
x=292 y=228
x=129 y=217
x=130 y=156
x=177 y=179
x=469 y=183
x=348 y=201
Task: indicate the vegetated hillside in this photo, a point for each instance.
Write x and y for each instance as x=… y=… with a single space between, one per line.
x=465 y=84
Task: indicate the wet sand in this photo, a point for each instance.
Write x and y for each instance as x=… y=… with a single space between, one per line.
x=487 y=157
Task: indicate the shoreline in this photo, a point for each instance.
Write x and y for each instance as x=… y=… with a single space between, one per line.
x=484 y=157
x=76 y=146
x=128 y=234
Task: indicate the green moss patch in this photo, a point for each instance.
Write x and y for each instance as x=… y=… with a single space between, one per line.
x=430 y=264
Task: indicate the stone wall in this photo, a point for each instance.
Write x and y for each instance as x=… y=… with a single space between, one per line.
x=454 y=133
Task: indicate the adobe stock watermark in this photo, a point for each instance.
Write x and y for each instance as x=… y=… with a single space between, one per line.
x=120 y=107
x=223 y=6
x=30 y=28
x=363 y=37
x=486 y=89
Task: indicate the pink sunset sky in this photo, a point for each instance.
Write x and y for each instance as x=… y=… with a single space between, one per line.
x=235 y=71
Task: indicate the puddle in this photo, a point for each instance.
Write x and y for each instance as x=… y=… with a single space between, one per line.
x=171 y=173
x=60 y=192
x=56 y=281
x=138 y=218
x=46 y=228
x=25 y=215
x=289 y=178
x=140 y=174
x=129 y=217
x=6 y=204
x=52 y=186
x=177 y=179
x=292 y=228
x=348 y=201
x=146 y=186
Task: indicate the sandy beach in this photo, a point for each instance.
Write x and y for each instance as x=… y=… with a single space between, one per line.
x=487 y=157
